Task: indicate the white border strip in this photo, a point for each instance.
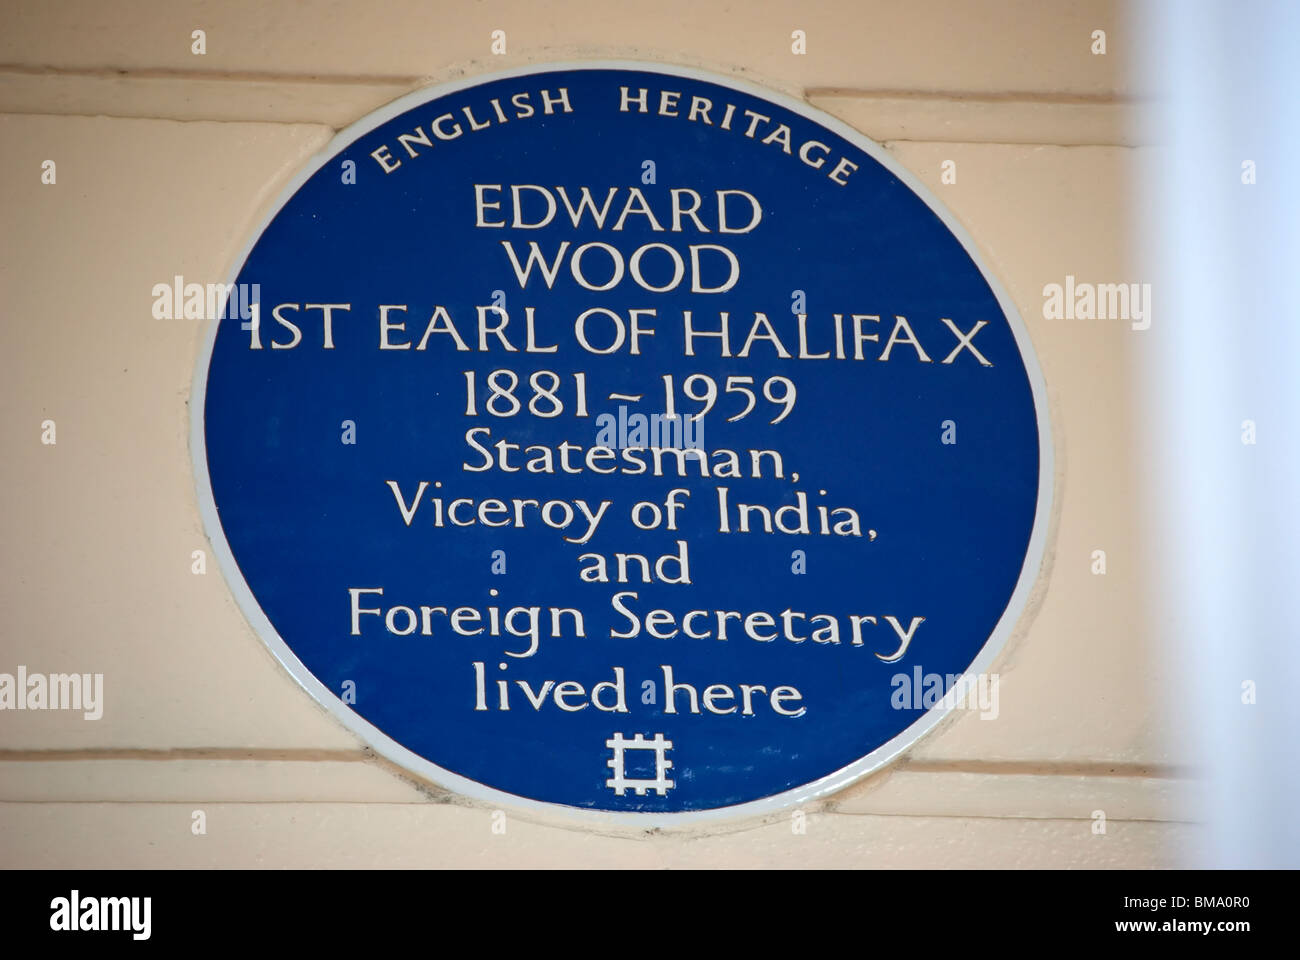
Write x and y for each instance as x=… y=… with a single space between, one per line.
x=418 y=765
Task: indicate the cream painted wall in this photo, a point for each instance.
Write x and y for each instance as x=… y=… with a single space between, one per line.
x=164 y=160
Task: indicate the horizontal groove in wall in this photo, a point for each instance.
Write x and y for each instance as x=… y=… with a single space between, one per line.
x=188 y=753
x=1011 y=117
x=234 y=76
x=196 y=98
x=1040 y=768
x=1006 y=96
x=937 y=789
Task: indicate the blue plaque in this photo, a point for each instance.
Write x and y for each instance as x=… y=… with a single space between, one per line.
x=623 y=438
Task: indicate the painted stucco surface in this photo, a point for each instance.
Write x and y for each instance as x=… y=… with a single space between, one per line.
x=166 y=159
